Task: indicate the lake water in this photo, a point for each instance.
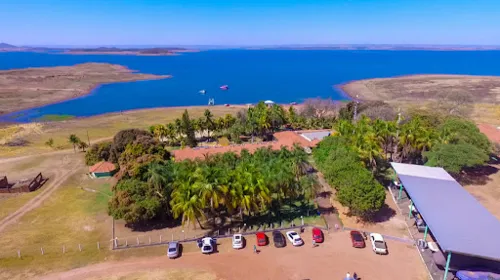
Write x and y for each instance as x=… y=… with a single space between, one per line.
x=282 y=76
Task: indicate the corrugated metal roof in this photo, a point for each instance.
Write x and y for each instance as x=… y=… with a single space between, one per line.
x=457 y=220
x=317 y=135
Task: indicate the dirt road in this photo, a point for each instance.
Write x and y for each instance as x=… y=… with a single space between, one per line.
x=62 y=173
x=331 y=260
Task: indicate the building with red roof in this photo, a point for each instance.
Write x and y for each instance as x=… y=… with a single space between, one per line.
x=307 y=139
x=103 y=169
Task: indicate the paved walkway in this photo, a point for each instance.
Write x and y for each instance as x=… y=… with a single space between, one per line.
x=325 y=206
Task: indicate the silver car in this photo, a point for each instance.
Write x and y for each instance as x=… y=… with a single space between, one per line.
x=173 y=250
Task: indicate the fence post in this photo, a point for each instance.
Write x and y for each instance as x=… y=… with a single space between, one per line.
x=98 y=246
x=41 y=249
x=150 y=240
x=115 y=242
x=126 y=242
x=302 y=218
x=137 y=240
x=160 y=238
x=64 y=249
x=19 y=253
x=80 y=247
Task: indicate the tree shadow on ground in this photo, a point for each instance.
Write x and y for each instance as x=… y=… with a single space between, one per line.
x=478 y=175
x=383 y=215
x=155 y=224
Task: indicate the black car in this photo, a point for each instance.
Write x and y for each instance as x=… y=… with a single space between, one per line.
x=278 y=239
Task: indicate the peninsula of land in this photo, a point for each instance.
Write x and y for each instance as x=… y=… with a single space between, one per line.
x=33 y=87
x=480 y=89
x=477 y=97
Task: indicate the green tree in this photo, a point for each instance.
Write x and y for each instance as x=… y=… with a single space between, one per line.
x=208 y=121
x=74 y=140
x=82 y=146
x=134 y=201
x=455 y=157
x=188 y=130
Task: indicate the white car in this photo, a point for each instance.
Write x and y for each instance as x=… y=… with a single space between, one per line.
x=294 y=238
x=237 y=241
x=173 y=249
x=207 y=245
x=378 y=243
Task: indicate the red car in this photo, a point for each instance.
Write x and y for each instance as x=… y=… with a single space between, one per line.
x=261 y=239
x=317 y=235
x=358 y=241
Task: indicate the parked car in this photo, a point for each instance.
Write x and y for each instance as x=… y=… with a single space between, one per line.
x=206 y=245
x=317 y=235
x=378 y=243
x=420 y=224
x=294 y=238
x=357 y=239
x=261 y=239
x=173 y=249
x=237 y=241
x=278 y=239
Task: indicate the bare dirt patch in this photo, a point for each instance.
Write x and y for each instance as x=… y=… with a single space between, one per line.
x=331 y=260
x=33 y=87
x=487 y=192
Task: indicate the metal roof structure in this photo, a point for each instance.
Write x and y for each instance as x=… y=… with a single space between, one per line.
x=457 y=220
x=316 y=135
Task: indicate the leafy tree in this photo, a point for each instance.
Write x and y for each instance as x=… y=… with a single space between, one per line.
x=455 y=157
x=208 y=121
x=461 y=131
x=134 y=201
x=122 y=139
x=188 y=130
x=74 y=140
x=98 y=152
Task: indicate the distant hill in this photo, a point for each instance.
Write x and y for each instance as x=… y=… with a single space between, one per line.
x=7 y=46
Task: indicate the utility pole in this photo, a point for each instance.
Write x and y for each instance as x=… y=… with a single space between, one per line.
x=88 y=138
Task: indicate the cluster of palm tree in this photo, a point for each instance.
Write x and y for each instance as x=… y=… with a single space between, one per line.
x=237 y=187
x=258 y=121
x=174 y=132
x=377 y=140
x=74 y=140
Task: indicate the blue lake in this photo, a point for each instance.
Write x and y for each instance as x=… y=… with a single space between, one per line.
x=282 y=76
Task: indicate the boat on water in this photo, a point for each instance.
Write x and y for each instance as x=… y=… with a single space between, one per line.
x=202 y=92
x=224 y=87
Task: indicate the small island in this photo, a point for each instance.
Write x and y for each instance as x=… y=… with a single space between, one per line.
x=33 y=87
x=131 y=51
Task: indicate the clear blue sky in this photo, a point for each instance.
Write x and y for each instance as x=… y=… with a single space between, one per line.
x=249 y=22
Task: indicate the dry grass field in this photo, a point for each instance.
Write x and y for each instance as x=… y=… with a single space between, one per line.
x=98 y=128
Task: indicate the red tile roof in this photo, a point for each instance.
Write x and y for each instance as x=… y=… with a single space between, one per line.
x=283 y=139
x=102 y=167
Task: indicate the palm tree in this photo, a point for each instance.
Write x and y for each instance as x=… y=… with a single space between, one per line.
x=73 y=139
x=160 y=131
x=171 y=133
x=209 y=122
x=157 y=177
x=82 y=145
x=186 y=203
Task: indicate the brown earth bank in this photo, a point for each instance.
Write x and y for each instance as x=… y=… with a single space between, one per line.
x=483 y=89
x=32 y=87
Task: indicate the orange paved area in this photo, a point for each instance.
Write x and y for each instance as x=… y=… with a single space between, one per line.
x=330 y=260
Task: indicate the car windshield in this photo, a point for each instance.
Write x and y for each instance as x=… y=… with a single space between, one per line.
x=357 y=237
x=207 y=248
x=293 y=233
x=379 y=244
x=237 y=241
x=172 y=249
